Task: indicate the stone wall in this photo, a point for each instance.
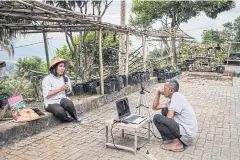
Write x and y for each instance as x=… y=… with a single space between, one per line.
x=12 y=132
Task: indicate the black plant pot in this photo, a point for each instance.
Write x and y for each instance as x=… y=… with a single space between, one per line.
x=109 y=87
x=167 y=75
x=161 y=80
x=155 y=73
x=78 y=89
x=121 y=82
x=91 y=86
x=174 y=74
x=132 y=80
x=124 y=77
x=4 y=99
x=117 y=80
x=147 y=76
x=220 y=69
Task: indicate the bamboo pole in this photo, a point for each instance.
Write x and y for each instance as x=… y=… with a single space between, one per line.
x=65 y=10
x=46 y=47
x=101 y=60
x=144 y=53
x=72 y=30
x=229 y=51
x=45 y=26
x=127 y=53
x=41 y=9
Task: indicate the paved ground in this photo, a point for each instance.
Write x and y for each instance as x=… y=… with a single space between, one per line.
x=216 y=105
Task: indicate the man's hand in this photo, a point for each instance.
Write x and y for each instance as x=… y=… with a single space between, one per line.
x=156 y=104
x=160 y=90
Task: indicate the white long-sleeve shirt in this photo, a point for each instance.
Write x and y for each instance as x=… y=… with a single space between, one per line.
x=51 y=82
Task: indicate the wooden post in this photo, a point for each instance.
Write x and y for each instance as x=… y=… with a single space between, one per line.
x=46 y=47
x=229 y=51
x=122 y=39
x=127 y=54
x=182 y=45
x=100 y=60
x=144 y=53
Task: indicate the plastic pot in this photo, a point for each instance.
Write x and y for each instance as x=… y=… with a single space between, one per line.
x=109 y=87
x=90 y=86
x=78 y=89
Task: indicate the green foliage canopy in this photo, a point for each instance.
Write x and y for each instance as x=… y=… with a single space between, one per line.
x=35 y=63
x=148 y=12
x=214 y=36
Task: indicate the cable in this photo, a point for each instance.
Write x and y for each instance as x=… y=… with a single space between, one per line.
x=147 y=142
x=32 y=43
x=153 y=133
x=112 y=134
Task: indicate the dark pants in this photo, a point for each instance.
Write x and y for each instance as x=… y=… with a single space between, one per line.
x=59 y=111
x=168 y=128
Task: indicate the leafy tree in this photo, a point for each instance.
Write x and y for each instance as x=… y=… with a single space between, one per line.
x=83 y=5
x=24 y=64
x=214 y=36
x=232 y=30
x=157 y=53
x=89 y=56
x=97 y=8
x=147 y=13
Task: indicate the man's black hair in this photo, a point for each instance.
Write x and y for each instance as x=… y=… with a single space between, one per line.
x=174 y=84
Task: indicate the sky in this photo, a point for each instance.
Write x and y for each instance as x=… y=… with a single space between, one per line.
x=193 y=27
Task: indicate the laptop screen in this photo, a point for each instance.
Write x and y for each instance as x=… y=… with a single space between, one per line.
x=123 y=108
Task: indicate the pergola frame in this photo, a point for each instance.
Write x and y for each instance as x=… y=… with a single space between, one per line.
x=38 y=17
x=229 y=49
x=166 y=34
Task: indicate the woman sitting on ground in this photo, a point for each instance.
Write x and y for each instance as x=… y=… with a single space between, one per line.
x=55 y=87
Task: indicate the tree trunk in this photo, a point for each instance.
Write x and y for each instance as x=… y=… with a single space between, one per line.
x=77 y=64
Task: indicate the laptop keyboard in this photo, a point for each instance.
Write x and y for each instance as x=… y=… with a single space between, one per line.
x=132 y=118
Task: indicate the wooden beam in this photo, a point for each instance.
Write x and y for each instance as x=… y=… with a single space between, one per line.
x=65 y=10
x=11 y=10
x=73 y=30
x=46 y=48
x=60 y=30
x=44 y=26
x=233 y=42
x=41 y=9
x=101 y=60
x=36 y=18
x=127 y=53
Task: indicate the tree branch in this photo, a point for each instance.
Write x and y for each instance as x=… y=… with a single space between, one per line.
x=163 y=23
x=69 y=45
x=106 y=7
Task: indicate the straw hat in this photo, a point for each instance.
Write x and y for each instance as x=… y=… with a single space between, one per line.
x=55 y=61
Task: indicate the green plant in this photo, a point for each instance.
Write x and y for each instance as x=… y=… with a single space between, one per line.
x=24 y=64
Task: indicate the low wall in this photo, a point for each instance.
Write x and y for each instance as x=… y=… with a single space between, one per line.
x=12 y=132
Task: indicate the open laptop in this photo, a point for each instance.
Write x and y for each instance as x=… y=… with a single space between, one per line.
x=124 y=113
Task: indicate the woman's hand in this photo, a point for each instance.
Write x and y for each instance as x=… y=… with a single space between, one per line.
x=64 y=88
